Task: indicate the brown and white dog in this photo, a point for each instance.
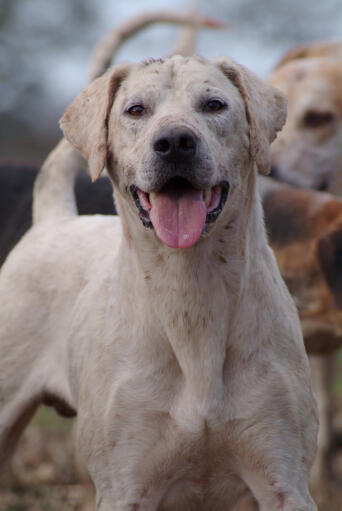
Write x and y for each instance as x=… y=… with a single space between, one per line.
x=308 y=151
x=305 y=231
x=308 y=154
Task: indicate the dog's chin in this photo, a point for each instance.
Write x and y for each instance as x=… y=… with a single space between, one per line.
x=180 y=213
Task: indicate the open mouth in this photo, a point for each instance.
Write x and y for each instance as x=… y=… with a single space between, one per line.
x=179 y=213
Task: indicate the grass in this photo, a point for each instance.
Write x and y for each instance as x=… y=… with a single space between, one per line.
x=48 y=420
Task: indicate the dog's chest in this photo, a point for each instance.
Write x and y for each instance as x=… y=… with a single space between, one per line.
x=186 y=462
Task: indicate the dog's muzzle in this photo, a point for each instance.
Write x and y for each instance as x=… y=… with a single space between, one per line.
x=180 y=204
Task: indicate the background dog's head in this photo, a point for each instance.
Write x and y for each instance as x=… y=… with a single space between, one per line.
x=308 y=152
x=178 y=137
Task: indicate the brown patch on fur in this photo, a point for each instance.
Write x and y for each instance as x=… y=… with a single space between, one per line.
x=290 y=218
x=306 y=235
x=285 y=216
x=329 y=251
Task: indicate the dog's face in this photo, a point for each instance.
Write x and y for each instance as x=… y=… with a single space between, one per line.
x=308 y=152
x=181 y=137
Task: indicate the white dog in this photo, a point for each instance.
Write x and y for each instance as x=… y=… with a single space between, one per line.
x=169 y=330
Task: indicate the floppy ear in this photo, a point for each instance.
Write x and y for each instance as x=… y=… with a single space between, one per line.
x=85 y=121
x=265 y=110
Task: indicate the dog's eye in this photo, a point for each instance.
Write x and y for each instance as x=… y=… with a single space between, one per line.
x=214 y=105
x=136 y=110
x=315 y=119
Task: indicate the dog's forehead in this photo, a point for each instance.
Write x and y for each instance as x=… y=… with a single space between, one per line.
x=178 y=73
x=313 y=73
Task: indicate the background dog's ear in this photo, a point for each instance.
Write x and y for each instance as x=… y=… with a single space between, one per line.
x=265 y=110
x=85 y=121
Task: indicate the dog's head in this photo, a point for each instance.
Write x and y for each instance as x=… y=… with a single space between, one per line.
x=178 y=137
x=308 y=152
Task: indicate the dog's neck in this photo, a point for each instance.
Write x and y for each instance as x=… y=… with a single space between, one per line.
x=194 y=294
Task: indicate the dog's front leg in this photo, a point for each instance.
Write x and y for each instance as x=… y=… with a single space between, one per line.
x=279 y=496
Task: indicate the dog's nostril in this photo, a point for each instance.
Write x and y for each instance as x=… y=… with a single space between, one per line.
x=187 y=143
x=162 y=145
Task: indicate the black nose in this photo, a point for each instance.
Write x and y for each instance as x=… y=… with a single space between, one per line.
x=175 y=144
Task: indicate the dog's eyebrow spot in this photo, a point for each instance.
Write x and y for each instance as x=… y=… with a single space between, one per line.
x=299 y=74
x=222 y=259
x=151 y=60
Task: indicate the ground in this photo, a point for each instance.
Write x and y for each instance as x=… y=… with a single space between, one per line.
x=45 y=476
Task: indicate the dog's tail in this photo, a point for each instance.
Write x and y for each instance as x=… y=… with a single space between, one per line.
x=103 y=54
x=53 y=194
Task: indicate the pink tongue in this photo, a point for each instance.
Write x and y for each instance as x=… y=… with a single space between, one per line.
x=178 y=217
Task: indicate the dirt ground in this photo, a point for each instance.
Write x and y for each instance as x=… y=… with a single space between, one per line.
x=45 y=476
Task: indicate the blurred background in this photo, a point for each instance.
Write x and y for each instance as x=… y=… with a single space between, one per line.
x=45 y=47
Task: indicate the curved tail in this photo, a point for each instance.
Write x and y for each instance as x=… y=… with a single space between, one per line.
x=53 y=194
x=110 y=44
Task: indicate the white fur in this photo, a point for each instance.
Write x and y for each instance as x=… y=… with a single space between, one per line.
x=186 y=367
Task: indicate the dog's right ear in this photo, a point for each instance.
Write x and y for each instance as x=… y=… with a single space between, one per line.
x=85 y=121
x=265 y=110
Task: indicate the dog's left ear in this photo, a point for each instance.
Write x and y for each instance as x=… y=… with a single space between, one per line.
x=265 y=110
x=85 y=121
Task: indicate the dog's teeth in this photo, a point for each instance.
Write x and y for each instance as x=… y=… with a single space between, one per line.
x=152 y=197
x=207 y=196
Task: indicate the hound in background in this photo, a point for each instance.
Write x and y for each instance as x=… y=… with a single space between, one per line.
x=308 y=151
x=305 y=231
x=169 y=332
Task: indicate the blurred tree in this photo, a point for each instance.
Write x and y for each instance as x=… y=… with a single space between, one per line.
x=35 y=36
x=45 y=47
